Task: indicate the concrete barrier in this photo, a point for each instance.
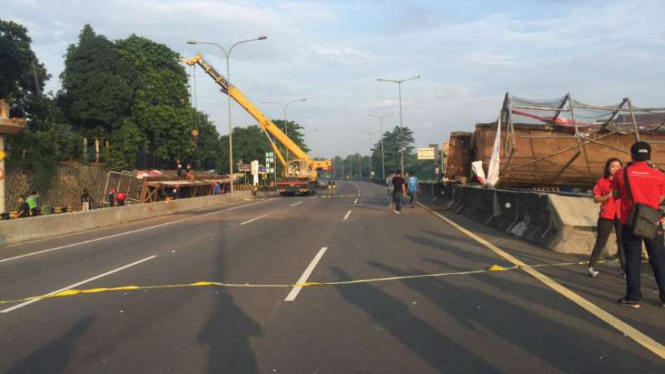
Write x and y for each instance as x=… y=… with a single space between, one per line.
x=42 y=227
x=478 y=204
x=533 y=214
x=564 y=224
x=505 y=215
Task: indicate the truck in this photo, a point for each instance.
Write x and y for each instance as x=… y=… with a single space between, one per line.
x=301 y=173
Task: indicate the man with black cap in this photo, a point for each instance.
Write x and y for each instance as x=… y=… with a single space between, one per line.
x=646 y=185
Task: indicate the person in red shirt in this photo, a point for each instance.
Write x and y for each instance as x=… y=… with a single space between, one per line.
x=647 y=185
x=608 y=218
x=120 y=197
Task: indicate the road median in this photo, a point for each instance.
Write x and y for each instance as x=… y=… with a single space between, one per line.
x=44 y=227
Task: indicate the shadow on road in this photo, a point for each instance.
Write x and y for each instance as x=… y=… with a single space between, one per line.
x=227 y=333
x=394 y=316
x=519 y=326
x=53 y=357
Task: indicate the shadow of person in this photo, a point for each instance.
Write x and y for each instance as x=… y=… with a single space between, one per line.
x=53 y=357
x=515 y=321
x=227 y=333
x=423 y=339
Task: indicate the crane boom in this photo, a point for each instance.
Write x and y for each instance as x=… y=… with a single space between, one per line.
x=242 y=100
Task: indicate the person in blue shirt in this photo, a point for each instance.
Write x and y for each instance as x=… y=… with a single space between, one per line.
x=412 y=182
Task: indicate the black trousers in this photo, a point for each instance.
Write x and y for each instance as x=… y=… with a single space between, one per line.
x=605 y=227
x=656 y=250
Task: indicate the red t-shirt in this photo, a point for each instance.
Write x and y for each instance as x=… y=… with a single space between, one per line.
x=646 y=183
x=609 y=208
x=120 y=196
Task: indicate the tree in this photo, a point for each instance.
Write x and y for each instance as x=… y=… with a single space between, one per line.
x=294 y=132
x=161 y=108
x=249 y=143
x=97 y=85
x=208 y=150
x=392 y=141
x=22 y=76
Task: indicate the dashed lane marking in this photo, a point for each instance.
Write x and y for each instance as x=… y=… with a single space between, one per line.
x=296 y=204
x=64 y=291
x=128 y=232
x=346 y=216
x=303 y=278
x=302 y=282
x=253 y=219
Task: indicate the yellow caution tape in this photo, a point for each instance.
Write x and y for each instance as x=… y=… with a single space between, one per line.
x=73 y=292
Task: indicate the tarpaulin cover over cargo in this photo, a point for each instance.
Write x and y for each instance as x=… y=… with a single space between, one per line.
x=555 y=143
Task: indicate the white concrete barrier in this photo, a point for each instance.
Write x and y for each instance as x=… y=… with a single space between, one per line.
x=42 y=227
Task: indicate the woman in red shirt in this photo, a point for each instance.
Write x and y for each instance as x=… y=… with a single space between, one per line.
x=608 y=218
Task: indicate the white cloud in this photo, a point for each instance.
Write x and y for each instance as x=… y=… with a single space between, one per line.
x=332 y=51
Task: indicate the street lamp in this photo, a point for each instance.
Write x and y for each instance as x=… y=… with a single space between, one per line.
x=369 y=134
x=401 y=127
x=360 y=165
x=286 y=122
x=227 y=54
x=383 y=160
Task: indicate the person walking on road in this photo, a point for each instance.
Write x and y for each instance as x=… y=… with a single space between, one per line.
x=23 y=208
x=86 y=200
x=608 y=218
x=413 y=188
x=120 y=197
x=640 y=183
x=391 y=188
x=399 y=190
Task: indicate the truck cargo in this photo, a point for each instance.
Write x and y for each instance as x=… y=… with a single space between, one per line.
x=551 y=150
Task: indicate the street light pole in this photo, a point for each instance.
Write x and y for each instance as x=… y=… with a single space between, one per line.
x=383 y=159
x=401 y=125
x=227 y=54
x=369 y=134
x=286 y=121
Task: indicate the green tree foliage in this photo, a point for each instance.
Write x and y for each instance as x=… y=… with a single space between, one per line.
x=354 y=168
x=249 y=143
x=295 y=132
x=393 y=141
x=48 y=138
x=208 y=150
x=97 y=85
x=160 y=108
x=22 y=76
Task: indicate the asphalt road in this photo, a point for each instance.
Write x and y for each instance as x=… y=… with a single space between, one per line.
x=484 y=322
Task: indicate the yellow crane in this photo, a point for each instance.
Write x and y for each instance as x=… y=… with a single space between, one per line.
x=300 y=174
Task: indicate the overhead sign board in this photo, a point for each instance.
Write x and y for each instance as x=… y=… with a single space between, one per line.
x=427 y=153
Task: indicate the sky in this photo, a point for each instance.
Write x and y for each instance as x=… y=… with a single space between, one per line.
x=469 y=54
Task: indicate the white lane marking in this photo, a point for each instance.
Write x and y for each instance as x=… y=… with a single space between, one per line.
x=298 y=203
x=355 y=201
x=313 y=197
x=644 y=340
x=79 y=283
x=347 y=215
x=358 y=187
x=303 y=278
x=253 y=219
x=125 y=233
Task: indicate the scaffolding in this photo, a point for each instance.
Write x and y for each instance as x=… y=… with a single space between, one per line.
x=565 y=118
